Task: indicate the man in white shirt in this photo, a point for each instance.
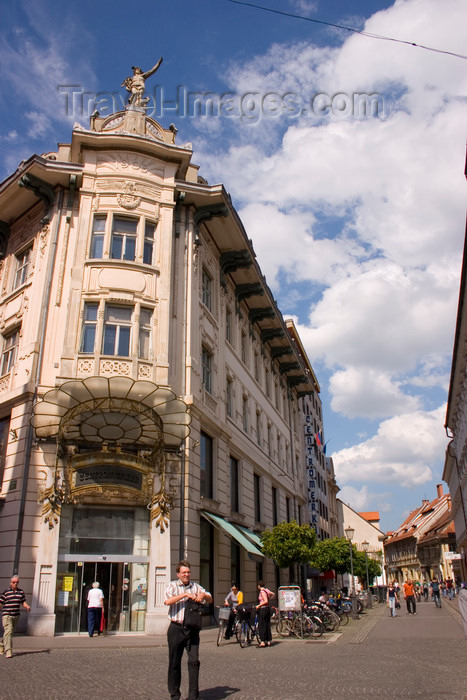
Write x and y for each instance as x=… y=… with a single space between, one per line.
x=180 y=637
x=95 y=609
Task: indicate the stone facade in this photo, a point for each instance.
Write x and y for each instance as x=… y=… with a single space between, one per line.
x=149 y=390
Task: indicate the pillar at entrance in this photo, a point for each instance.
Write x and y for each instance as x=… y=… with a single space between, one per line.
x=41 y=619
x=158 y=579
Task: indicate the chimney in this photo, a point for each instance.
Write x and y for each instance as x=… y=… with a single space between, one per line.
x=439 y=489
x=425 y=502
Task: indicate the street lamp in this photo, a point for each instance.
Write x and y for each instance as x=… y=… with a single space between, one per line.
x=369 y=599
x=349 y=533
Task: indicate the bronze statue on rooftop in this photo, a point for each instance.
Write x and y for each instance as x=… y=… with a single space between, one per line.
x=135 y=85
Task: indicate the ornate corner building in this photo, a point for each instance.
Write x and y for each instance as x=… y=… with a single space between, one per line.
x=149 y=387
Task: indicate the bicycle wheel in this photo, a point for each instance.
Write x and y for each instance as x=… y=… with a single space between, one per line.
x=244 y=634
x=331 y=621
x=283 y=627
x=221 y=632
x=343 y=617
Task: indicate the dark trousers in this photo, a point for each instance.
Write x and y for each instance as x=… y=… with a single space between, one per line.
x=411 y=605
x=94 y=620
x=178 y=639
x=264 y=623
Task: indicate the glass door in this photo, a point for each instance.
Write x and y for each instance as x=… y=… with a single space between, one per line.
x=124 y=586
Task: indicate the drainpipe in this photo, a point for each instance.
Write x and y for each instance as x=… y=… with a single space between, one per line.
x=42 y=330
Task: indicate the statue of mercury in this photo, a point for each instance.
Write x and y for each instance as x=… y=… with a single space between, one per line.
x=135 y=85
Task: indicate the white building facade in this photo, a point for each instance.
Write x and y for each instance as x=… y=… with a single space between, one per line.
x=149 y=386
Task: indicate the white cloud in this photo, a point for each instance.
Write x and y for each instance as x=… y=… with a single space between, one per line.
x=403 y=452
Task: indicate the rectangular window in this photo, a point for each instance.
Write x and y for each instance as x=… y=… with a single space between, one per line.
x=206 y=363
x=257 y=497
x=244 y=348
x=269 y=440
x=228 y=326
x=123 y=240
x=117 y=331
x=22 y=268
x=235 y=563
x=206 y=466
x=207 y=290
x=234 y=486
x=259 y=435
x=287 y=509
x=245 y=413
x=144 y=340
x=229 y=397
x=275 y=511
x=88 y=338
x=97 y=240
x=149 y=236
x=4 y=430
x=256 y=368
x=10 y=350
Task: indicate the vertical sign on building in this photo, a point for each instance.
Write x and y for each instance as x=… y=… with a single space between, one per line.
x=311 y=472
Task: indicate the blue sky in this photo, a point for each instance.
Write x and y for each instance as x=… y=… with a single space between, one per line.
x=357 y=218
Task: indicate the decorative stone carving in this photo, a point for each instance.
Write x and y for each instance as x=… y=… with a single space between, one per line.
x=129 y=200
x=112 y=368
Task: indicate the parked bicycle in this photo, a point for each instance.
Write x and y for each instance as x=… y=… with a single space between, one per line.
x=224 y=615
x=247 y=626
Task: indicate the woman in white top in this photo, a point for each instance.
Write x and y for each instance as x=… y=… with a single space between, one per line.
x=95 y=609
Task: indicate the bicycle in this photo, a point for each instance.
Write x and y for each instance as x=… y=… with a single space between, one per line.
x=224 y=615
x=245 y=631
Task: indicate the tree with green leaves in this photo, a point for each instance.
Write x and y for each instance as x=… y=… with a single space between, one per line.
x=289 y=543
x=333 y=554
x=374 y=568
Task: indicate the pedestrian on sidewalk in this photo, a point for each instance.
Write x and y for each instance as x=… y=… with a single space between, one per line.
x=95 y=609
x=409 y=595
x=463 y=606
x=180 y=636
x=392 y=599
x=435 y=592
x=11 y=600
x=425 y=591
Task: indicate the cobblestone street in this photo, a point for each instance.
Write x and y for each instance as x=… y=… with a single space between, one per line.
x=422 y=656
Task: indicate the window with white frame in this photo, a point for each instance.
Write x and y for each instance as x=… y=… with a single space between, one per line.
x=97 y=238
x=229 y=397
x=10 y=350
x=206 y=366
x=117 y=331
x=149 y=236
x=207 y=289
x=144 y=340
x=23 y=261
x=228 y=326
x=123 y=238
x=88 y=335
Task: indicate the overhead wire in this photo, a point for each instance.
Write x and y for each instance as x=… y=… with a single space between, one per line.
x=349 y=29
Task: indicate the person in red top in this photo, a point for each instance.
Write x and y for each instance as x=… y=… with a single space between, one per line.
x=409 y=595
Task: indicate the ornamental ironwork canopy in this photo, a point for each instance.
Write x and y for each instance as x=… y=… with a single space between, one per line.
x=116 y=410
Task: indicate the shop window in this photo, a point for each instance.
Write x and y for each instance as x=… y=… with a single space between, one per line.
x=123 y=239
x=10 y=350
x=117 y=331
x=206 y=557
x=23 y=261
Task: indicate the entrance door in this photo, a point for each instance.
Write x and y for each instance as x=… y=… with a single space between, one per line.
x=123 y=585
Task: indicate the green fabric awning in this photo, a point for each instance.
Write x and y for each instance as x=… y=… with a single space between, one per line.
x=234 y=532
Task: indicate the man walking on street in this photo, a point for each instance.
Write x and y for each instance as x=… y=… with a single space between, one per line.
x=11 y=601
x=181 y=637
x=435 y=592
x=409 y=594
